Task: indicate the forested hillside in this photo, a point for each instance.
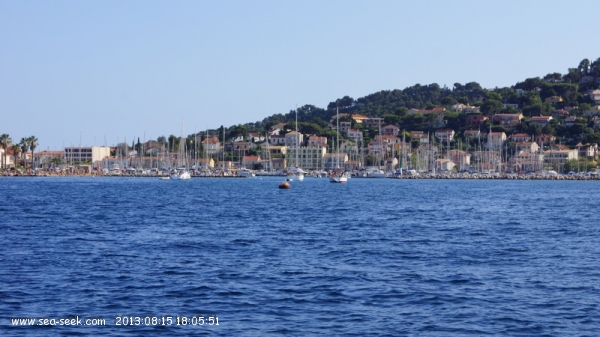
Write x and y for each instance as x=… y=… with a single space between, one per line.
x=528 y=97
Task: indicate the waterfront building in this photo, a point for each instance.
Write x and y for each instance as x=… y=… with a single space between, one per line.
x=495 y=140
x=93 y=155
x=589 y=150
x=377 y=148
x=460 y=158
x=277 y=164
x=556 y=159
x=47 y=158
x=333 y=161
x=444 y=164
x=391 y=164
x=273 y=151
x=294 y=139
x=250 y=162
x=211 y=146
x=203 y=163
x=526 y=162
x=309 y=157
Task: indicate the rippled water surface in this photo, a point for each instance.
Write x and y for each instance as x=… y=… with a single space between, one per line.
x=371 y=257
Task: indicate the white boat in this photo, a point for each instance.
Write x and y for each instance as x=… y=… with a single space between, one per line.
x=297 y=171
x=244 y=172
x=338 y=176
x=181 y=174
x=339 y=179
x=377 y=174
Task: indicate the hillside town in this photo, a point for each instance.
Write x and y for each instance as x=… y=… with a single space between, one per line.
x=392 y=150
x=541 y=126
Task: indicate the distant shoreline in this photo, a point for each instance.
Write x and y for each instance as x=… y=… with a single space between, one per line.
x=406 y=177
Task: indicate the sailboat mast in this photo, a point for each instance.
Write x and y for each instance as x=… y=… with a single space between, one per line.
x=337 y=137
x=297 y=139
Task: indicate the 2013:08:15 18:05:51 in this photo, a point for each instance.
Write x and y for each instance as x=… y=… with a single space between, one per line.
x=166 y=320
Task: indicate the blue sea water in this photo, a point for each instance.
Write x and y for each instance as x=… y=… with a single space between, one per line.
x=374 y=257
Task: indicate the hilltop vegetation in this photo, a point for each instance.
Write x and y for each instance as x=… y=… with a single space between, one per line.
x=393 y=105
x=527 y=97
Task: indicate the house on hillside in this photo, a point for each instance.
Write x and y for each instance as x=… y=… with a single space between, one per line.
x=560 y=113
x=444 y=135
x=595 y=95
x=553 y=100
x=507 y=120
x=541 y=120
x=294 y=139
x=520 y=137
x=544 y=139
x=472 y=133
x=420 y=136
x=317 y=141
x=496 y=140
x=390 y=130
x=531 y=147
x=355 y=135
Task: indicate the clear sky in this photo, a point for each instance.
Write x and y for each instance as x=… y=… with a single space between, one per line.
x=98 y=72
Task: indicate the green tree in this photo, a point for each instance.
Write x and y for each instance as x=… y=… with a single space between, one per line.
x=5 y=143
x=173 y=143
x=490 y=107
x=16 y=148
x=238 y=131
x=391 y=119
x=33 y=144
x=571 y=165
x=584 y=67
x=138 y=148
x=24 y=143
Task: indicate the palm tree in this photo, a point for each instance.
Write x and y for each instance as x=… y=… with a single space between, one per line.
x=16 y=148
x=33 y=143
x=24 y=147
x=5 y=143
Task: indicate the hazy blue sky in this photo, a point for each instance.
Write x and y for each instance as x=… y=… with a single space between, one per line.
x=112 y=70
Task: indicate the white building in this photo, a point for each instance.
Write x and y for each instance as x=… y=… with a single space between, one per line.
x=309 y=157
x=293 y=139
x=93 y=155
